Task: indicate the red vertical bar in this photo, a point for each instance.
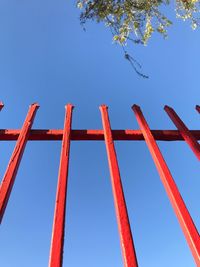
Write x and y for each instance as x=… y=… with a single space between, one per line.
x=184 y=131
x=127 y=246
x=1 y=105
x=57 y=242
x=198 y=108
x=11 y=172
x=185 y=220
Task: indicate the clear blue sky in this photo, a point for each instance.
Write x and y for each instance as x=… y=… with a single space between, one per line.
x=45 y=56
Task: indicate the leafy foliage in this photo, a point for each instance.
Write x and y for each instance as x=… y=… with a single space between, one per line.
x=136 y=20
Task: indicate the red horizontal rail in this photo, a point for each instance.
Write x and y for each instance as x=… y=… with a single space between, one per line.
x=198 y=108
x=180 y=209
x=94 y=135
x=1 y=105
x=184 y=131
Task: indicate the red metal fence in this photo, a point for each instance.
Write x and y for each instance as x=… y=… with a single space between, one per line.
x=191 y=137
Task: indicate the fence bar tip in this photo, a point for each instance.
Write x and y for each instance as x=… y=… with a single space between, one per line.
x=198 y=108
x=1 y=105
x=69 y=105
x=34 y=104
